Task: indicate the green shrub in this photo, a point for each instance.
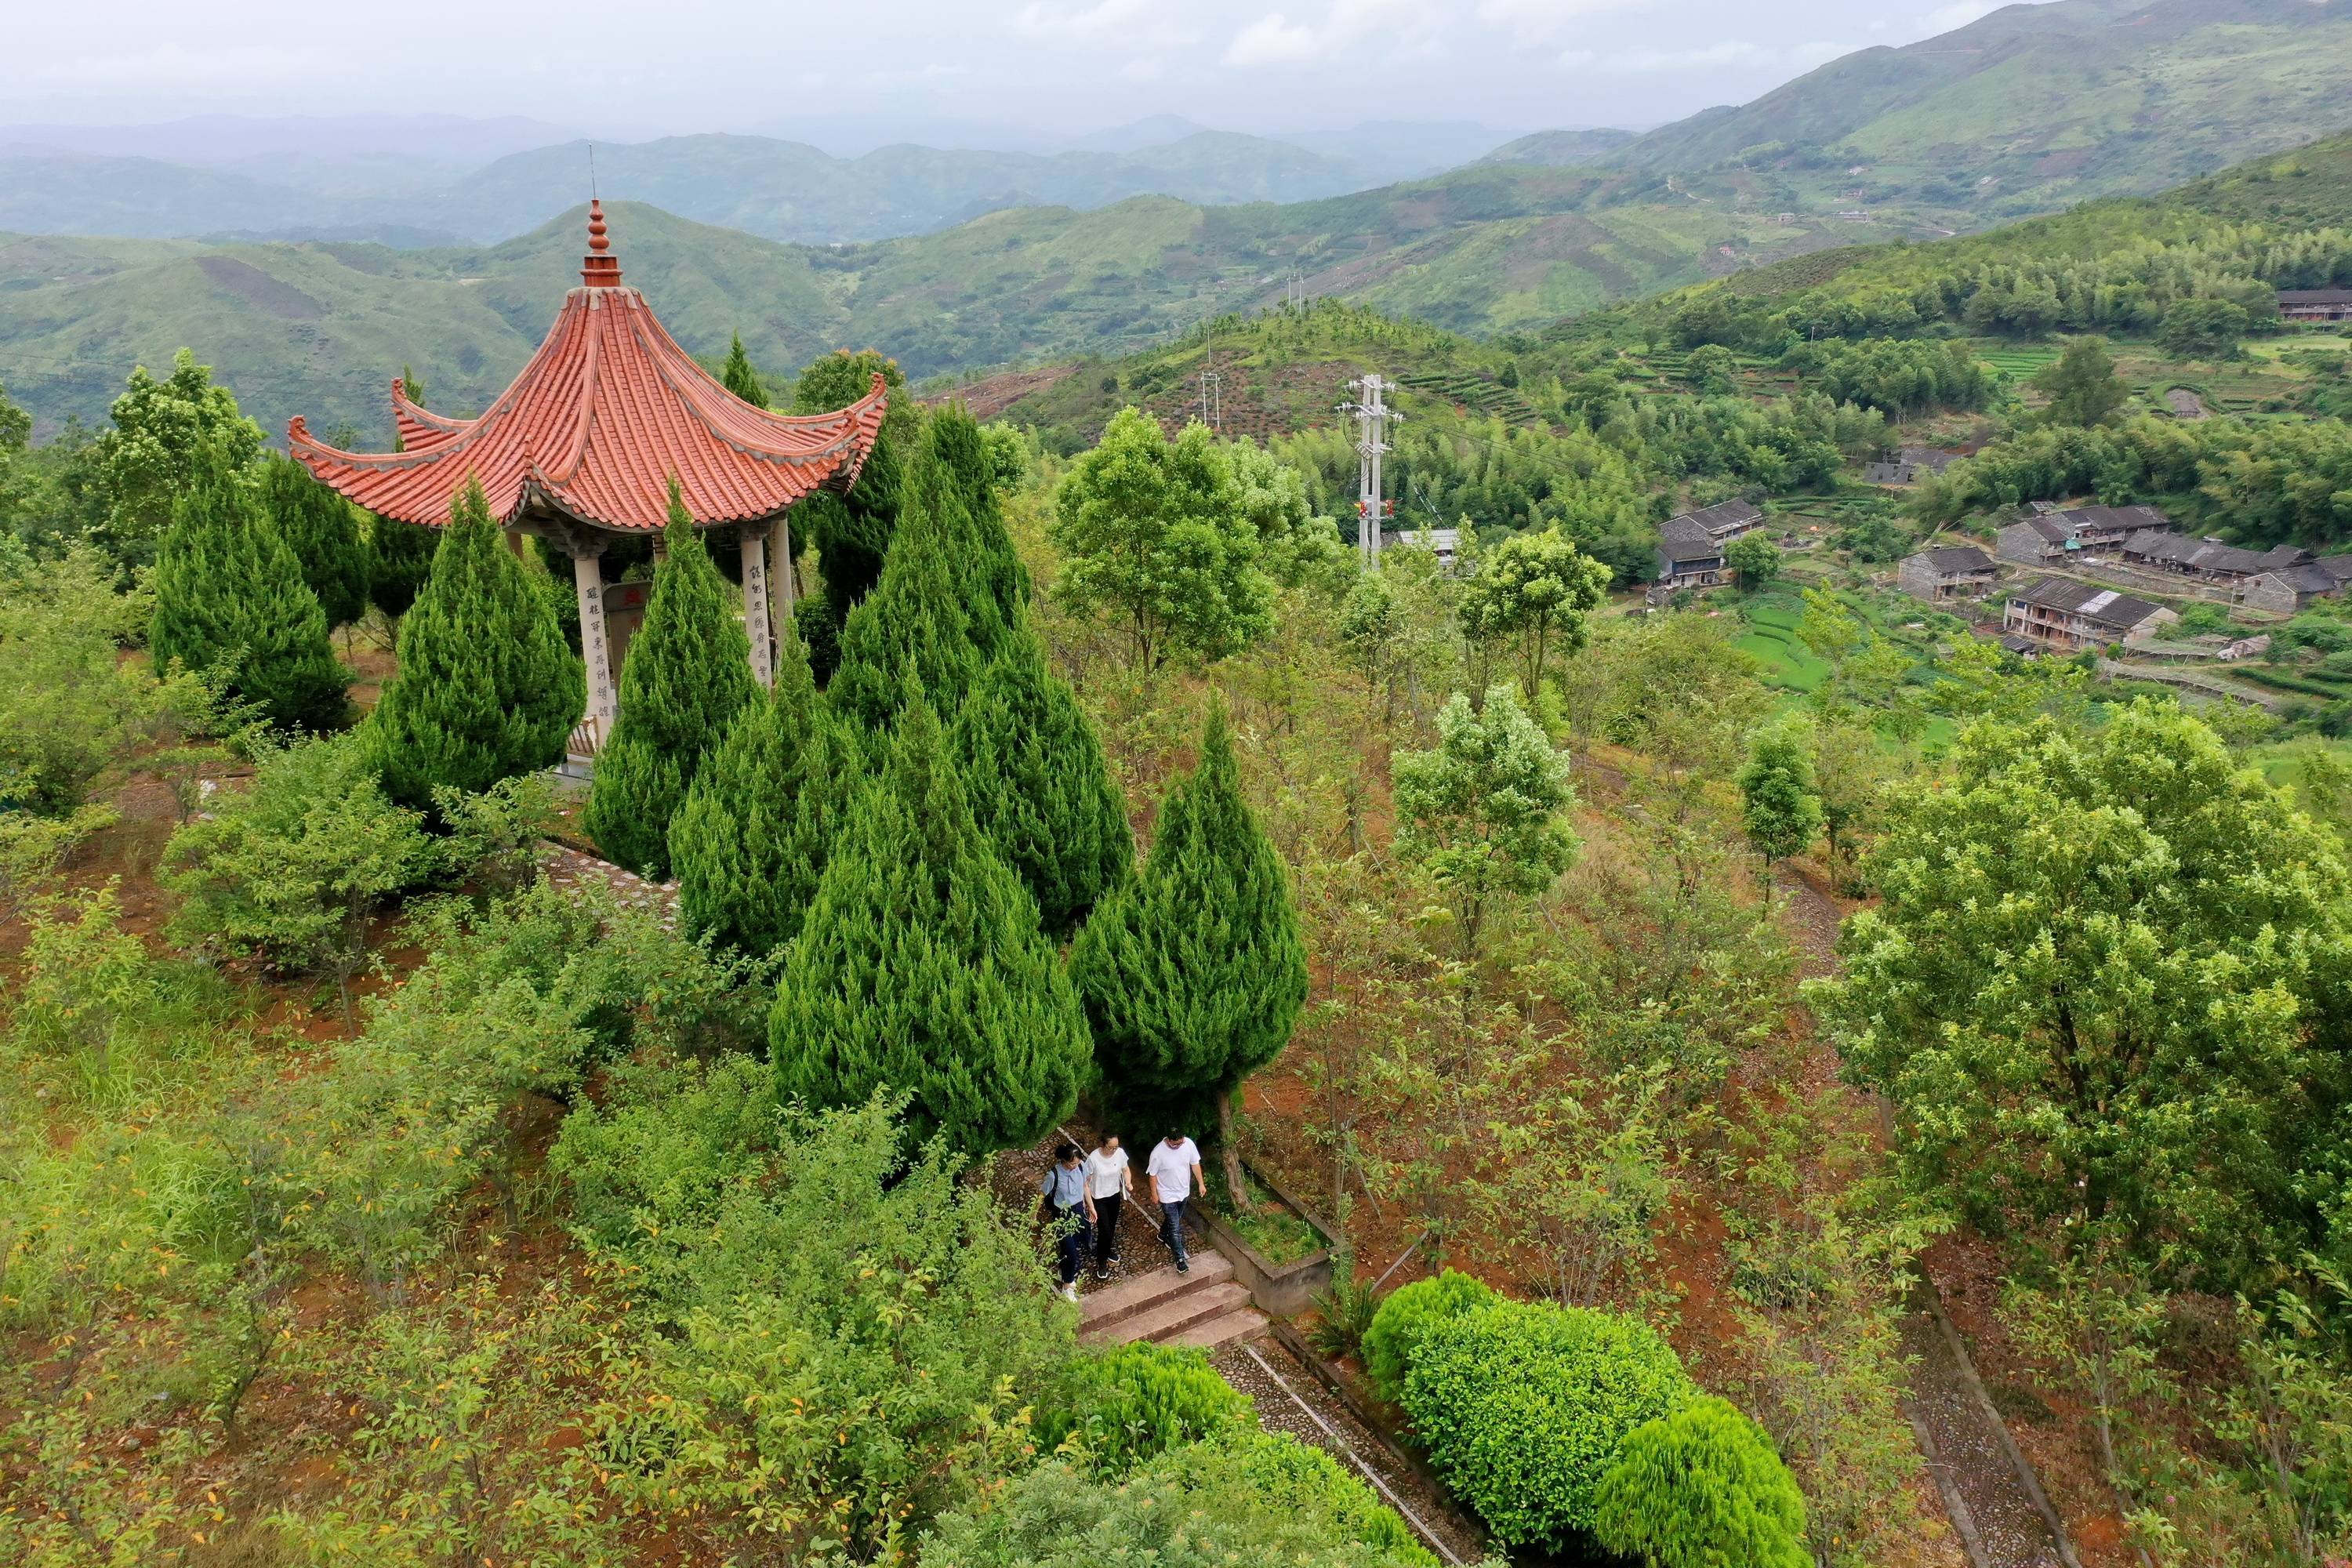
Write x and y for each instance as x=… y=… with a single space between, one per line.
x=1700 y=1487
x=1406 y=1314
x=1523 y=1407
x=1242 y=1497
x=1136 y=1401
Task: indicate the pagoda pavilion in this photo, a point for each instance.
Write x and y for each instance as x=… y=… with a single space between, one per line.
x=582 y=448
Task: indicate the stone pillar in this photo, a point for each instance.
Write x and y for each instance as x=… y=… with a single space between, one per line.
x=782 y=574
x=754 y=539
x=595 y=645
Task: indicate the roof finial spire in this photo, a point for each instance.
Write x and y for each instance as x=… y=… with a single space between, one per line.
x=599 y=270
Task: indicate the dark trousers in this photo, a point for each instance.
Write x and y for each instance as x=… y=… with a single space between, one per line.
x=1106 y=1232
x=1071 y=1240
x=1172 y=1227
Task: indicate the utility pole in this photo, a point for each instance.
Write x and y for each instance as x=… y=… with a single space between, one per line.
x=1372 y=416
x=1213 y=392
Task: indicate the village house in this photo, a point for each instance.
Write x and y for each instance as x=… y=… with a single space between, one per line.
x=1914 y=464
x=2316 y=304
x=1952 y=571
x=2285 y=577
x=2052 y=538
x=1724 y=521
x=2066 y=616
x=1689 y=556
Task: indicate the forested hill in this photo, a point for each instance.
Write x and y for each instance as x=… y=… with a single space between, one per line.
x=2025 y=111
x=318 y=327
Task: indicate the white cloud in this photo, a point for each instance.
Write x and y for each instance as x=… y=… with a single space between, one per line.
x=1960 y=13
x=173 y=65
x=1402 y=26
x=1569 y=59
x=1144 y=68
x=1541 y=21
x=1039 y=20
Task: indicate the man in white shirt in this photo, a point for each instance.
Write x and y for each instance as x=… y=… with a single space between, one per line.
x=1174 y=1169
x=1107 y=1185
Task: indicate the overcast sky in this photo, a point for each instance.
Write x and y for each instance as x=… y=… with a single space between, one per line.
x=629 y=69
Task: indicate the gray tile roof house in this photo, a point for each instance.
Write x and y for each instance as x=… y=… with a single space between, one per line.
x=1949 y=571
x=2051 y=536
x=1724 y=521
x=1914 y=463
x=1688 y=555
x=2061 y=614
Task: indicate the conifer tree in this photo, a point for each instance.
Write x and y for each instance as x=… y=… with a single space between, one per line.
x=918 y=623
x=953 y=454
x=687 y=674
x=921 y=966
x=740 y=378
x=322 y=530
x=1040 y=787
x=1194 y=972
x=485 y=689
x=759 y=822
x=230 y=598
x=853 y=532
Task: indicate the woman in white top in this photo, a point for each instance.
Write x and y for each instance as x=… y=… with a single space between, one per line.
x=1108 y=1185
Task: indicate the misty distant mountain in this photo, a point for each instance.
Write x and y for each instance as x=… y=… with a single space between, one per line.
x=353 y=155
x=1562 y=149
x=1387 y=151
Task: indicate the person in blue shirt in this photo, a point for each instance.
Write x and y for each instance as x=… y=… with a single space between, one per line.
x=1065 y=1187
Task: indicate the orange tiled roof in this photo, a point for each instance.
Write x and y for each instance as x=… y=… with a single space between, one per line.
x=607 y=411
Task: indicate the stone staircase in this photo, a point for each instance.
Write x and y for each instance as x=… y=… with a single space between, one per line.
x=1207 y=1306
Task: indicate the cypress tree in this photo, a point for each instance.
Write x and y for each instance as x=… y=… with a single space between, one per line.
x=759 y=822
x=485 y=689
x=918 y=623
x=1194 y=972
x=323 y=531
x=687 y=674
x=921 y=966
x=853 y=532
x=229 y=597
x=954 y=454
x=1041 y=788
x=740 y=378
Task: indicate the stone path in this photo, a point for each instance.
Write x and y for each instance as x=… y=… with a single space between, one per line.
x=564 y=866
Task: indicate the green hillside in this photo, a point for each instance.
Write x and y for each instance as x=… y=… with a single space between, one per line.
x=2027 y=110
x=318 y=327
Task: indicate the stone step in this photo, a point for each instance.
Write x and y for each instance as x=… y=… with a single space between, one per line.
x=1171 y=1315
x=1109 y=1303
x=1241 y=1323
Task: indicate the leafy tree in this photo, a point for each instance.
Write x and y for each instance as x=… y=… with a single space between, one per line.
x=1134 y=1402
x=1295 y=546
x=2103 y=983
x=1755 y=560
x=921 y=965
x=1524 y=1407
x=1701 y=1488
x=1194 y=972
x=1408 y=1312
x=751 y=841
x=164 y=434
x=485 y=689
x=230 y=600
x=2204 y=329
x=851 y=533
x=1482 y=810
x=1538 y=590
x=1780 y=806
x=1154 y=535
x=1042 y=789
x=740 y=378
x=1239 y=1497
x=688 y=675
x=2081 y=385
x=323 y=532
x=289 y=869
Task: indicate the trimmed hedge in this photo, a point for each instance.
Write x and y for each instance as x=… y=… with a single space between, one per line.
x=1701 y=1488
x=1523 y=1407
x=1136 y=1402
x=1407 y=1313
